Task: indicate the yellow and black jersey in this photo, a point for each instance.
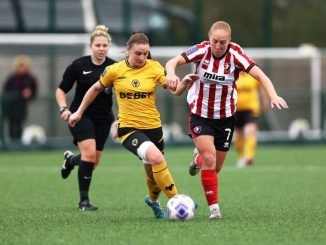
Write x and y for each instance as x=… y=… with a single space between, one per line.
x=248 y=93
x=135 y=92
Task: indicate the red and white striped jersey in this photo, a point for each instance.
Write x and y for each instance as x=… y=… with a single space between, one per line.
x=214 y=95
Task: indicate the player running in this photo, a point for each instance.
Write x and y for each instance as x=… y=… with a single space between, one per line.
x=135 y=81
x=212 y=100
x=92 y=131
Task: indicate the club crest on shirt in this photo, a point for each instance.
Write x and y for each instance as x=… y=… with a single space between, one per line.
x=135 y=83
x=227 y=66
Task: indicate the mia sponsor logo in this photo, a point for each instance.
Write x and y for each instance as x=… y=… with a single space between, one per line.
x=213 y=76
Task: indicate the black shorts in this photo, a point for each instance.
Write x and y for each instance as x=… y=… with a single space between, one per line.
x=221 y=129
x=244 y=117
x=139 y=136
x=86 y=128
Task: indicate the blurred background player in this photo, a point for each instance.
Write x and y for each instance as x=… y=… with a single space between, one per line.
x=19 y=89
x=135 y=80
x=252 y=101
x=93 y=129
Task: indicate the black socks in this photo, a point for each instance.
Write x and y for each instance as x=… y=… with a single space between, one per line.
x=75 y=160
x=85 y=172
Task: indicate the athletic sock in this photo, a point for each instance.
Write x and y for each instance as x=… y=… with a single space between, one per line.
x=239 y=145
x=164 y=179
x=210 y=184
x=250 y=148
x=85 y=172
x=75 y=160
x=153 y=189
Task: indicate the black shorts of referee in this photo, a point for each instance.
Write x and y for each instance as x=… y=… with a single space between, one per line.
x=87 y=128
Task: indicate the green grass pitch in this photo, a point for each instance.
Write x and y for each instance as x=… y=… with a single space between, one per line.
x=280 y=200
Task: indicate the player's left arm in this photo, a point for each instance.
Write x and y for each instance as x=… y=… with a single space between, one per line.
x=275 y=100
x=264 y=100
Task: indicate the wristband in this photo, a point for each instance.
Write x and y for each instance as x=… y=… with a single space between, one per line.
x=63 y=109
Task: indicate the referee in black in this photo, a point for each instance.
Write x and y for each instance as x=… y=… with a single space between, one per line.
x=92 y=131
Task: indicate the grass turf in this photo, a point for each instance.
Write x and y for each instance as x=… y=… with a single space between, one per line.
x=280 y=200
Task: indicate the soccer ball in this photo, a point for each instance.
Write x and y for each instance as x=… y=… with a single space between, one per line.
x=180 y=207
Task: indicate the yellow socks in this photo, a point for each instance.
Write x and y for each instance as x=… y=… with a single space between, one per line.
x=164 y=179
x=153 y=189
x=250 y=147
x=239 y=145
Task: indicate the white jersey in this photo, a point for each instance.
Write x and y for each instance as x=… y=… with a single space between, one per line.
x=214 y=94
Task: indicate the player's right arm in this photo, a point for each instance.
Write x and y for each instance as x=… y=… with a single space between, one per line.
x=62 y=102
x=69 y=78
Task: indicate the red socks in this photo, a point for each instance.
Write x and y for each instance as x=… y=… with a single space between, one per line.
x=209 y=181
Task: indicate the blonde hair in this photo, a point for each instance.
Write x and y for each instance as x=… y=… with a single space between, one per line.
x=22 y=59
x=221 y=25
x=101 y=31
